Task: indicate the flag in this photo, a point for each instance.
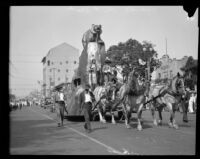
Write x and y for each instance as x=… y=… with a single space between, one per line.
x=141 y=62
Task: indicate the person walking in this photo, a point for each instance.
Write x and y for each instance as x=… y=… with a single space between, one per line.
x=191 y=103
x=87 y=98
x=60 y=106
x=184 y=103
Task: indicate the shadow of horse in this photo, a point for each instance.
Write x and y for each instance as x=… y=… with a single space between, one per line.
x=144 y=126
x=98 y=128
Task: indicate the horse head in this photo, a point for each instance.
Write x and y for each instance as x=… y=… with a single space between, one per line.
x=177 y=85
x=133 y=81
x=181 y=86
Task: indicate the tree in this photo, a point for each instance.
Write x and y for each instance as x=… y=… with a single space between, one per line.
x=134 y=51
x=190 y=72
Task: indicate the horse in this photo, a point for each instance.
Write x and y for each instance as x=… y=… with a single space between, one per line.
x=167 y=96
x=105 y=96
x=132 y=96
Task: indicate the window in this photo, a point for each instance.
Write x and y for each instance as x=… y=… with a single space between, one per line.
x=67 y=62
x=58 y=70
x=67 y=70
x=48 y=63
x=50 y=70
x=58 y=78
x=74 y=62
x=60 y=63
x=52 y=63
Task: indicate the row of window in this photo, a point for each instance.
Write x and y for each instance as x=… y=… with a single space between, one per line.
x=48 y=62
x=58 y=70
x=166 y=74
x=58 y=78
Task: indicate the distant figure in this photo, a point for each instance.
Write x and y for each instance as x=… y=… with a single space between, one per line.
x=92 y=74
x=191 y=103
x=107 y=70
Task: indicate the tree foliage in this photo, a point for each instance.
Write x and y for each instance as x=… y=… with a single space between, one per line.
x=191 y=65
x=191 y=68
x=133 y=49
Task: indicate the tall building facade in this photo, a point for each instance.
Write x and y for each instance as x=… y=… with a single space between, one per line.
x=58 y=66
x=169 y=67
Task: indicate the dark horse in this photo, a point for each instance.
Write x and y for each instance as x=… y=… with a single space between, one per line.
x=132 y=96
x=170 y=96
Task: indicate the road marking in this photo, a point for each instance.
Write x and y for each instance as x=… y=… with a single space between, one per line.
x=109 y=149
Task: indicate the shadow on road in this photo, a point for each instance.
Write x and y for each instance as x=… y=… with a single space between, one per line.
x=36 y=133
x=94 y=129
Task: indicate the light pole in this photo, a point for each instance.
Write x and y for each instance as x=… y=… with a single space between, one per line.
x=148 y=60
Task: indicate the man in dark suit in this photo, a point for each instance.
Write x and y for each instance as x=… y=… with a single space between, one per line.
x=87 y=98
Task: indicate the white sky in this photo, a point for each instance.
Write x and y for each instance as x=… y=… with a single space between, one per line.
x=36 y=29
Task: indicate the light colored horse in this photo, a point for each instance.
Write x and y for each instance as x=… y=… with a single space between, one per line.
x=132 y=96
x=170 y=96
x=102 y=95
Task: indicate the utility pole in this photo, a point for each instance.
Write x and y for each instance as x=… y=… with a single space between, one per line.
x=166 y=45
x=166 y=54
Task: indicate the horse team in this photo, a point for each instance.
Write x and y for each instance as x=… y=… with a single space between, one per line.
x=131 y=96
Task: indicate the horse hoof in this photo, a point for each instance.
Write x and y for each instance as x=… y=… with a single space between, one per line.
x=155 y=123
x=186 y=121
x=103 y=121
x=139 y=128
x=170 y=125
x=128 y=126
x=113 y=122
x=159 y=122
x=175 y=126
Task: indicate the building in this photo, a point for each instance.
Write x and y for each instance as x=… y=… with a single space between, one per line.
x=169 y=67
x=58 y=66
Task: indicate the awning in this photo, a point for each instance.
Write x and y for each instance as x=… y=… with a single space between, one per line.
x=60 y=86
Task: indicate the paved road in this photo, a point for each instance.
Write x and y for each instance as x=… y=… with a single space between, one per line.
x=34 y=131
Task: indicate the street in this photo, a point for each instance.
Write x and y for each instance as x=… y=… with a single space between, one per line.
x=34 y=131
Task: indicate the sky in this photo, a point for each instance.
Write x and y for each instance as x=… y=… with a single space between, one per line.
x=34 y=30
